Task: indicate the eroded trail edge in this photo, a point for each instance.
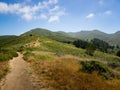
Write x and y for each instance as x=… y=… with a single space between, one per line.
x=19 y=76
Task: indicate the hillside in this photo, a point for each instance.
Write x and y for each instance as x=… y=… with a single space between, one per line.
x=71 y=36
x=6 y=39
x=52 y=35
x=88 y=35
x=61 y=66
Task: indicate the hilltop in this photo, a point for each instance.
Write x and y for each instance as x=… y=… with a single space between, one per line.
x=50 y=34
x=112 y=39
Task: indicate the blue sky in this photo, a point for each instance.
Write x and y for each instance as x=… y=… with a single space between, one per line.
x=19 y=16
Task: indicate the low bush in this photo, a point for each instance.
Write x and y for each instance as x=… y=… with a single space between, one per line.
x=114 y=65
x=90 y=50
x=101 y=69
x=118 y=53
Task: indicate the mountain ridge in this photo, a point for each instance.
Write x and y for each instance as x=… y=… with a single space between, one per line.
x=70 y=36
x=112 y=38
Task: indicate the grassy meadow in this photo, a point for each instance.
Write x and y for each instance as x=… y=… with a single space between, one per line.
x=58 y=67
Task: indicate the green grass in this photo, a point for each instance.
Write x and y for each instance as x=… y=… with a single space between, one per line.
x=37 y=56
x=7 y=54
x=58 y=47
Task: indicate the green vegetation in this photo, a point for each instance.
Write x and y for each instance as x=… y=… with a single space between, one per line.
x=118 y=53
x=6 y=40
x=94 y=44
x=81 y=44
x=57 y=64
x=7 y=54
x=101 y=45
x=112 y=39
x=90 y=50
x=29 y=56
x=49 y=34
x=91 y=66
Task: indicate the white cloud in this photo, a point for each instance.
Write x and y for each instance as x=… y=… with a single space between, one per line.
x=108 y=12
x=56 y=17
x=55 y=9
x=91 y=15
x=42 y=10
x=5 y=8
x=53 y=18
x=53 y=1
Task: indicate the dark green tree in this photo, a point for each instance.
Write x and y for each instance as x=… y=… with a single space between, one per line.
x=80 y=44
x=100 y=45
x=90 y=49
x=118 y=53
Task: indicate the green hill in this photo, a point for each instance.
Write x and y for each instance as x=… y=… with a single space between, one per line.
x=88 y=35
x=6 y=39
x=52 y=35
x=61 y=66
x=71 y=36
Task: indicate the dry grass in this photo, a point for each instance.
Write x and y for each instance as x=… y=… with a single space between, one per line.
x=4 y=68
x=63 y=73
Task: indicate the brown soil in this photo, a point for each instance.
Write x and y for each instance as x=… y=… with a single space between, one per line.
x=19 y=77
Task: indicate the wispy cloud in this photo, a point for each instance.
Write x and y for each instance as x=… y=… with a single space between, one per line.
x=90 y=15
x=108 y=12
x=49 y=10
x=56 y=17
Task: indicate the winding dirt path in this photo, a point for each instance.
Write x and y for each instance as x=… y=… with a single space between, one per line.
x=19 y=76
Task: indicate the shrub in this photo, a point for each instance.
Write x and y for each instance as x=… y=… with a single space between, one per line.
x=114 y=65
x=80 y=44
x=118 y=53
x=90 y=50
x=91 y=66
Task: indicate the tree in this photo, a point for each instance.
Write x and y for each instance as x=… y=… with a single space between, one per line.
x=100 y=45
x=90 y=50
x=80 y=44
x=117 y=46
x=118 y=53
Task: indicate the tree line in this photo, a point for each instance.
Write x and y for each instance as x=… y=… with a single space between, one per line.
x=94 y=44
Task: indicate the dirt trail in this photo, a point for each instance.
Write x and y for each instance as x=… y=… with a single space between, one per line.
x=19 y=76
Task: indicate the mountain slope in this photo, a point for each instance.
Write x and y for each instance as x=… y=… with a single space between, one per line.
x=52 y=35
x=6 y=39
x=88 y=35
